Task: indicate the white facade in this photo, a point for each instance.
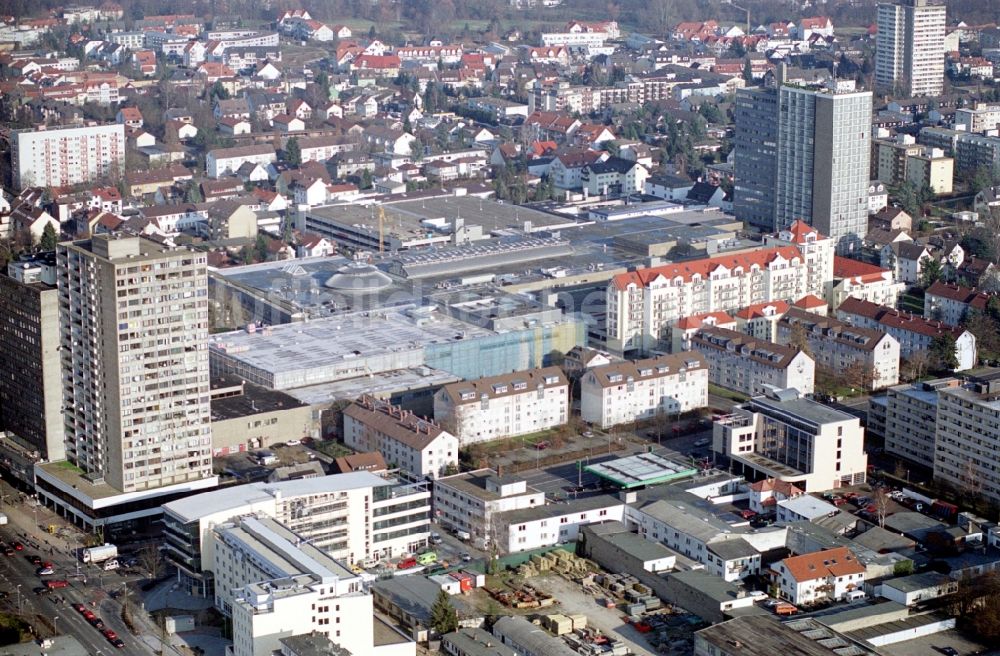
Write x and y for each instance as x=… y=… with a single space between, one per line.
x=412 y=443
x=968 y=438
x=503 y=406
x=784 y=436
x=909 y=50
x=227 y=161
x=840 y=347
x=818 y=576
x=553 y=524
x=470 y=503
x=748 y=366
x=623 y=392
x=112 y=349
x=643 y=304
x=61 y=157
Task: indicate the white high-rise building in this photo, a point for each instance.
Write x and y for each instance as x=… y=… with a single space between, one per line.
x=909 y=47
x=134 y=347
x=64 y=156
x=823 y=153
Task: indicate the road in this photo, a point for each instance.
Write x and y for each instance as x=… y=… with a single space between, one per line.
x=92 y=587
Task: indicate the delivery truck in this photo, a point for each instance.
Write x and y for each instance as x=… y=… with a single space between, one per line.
x=99 y=554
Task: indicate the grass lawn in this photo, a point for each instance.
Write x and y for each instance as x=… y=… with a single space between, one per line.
x=726 y=393
x=911 y=303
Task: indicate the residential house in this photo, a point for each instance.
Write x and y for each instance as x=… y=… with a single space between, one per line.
x=951 y=303
x=224 y=161
x=613 y=176
x=906 y=259
x=819 y=576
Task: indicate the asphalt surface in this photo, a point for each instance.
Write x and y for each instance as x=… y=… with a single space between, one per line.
x=88 y=584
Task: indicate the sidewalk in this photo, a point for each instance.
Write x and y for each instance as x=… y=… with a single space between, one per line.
x=21 y=517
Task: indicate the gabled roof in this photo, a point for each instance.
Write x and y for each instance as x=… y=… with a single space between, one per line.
x=400 y=425
x=893 y=318
x=844 y=267
x=765 y=309
x=504 y=385
x=617 y=373
x=810 y=301
x=696 y=321
x=770 y=354
x=704 y=267
x=966 y=295
x=823 y=564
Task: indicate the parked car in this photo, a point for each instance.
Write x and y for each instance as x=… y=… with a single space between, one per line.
x=44 y=571
x=702 y=442
x=407 y=564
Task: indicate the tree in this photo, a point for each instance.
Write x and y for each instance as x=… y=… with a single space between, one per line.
x=151 y=560
x=799 y=339
x=193 y=193
x=942 y=352
x=260 y=248
x=293 y=152
x=444 y=617
x=881 y=501
x=931 y=272
x=49 y=238
x=747 y=71
x=983 y=179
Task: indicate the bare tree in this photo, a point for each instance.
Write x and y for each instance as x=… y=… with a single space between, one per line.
x=151 y=560
x=881 y=501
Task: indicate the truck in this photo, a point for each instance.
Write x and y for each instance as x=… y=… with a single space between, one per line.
x=3 y=519
x=99 y=554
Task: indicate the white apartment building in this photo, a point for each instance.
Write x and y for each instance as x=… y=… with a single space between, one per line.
x=951 y=303
x=65 y=156
x=914 y=333
x=841 y=347
x=751 y=366
x=226 y=161
x=968 y=436
x=356 y=517
x=503 y=406
x=909 y=47
x=909 y=424
x=471 y=502
x=623 y=392
x=551 y=524
x=785 y=436
x=818 y=576
x=855 y=279
x=642 y=305
x=818 y=251
x=274 y=586
x=414 y=444
x=133 y=318
x=979 y=118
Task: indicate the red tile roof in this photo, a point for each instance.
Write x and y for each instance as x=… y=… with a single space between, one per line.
x=967 y=295
x=704 y=267
x=696 y=321
x=844 y=267
x=810 y=301
x=757 y=310
x=823 y=564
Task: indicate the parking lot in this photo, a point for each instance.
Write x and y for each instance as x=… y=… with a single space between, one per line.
x=932 y=645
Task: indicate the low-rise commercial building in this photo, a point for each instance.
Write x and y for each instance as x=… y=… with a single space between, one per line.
x=356 y=517
x=417 y=445
x=749 y=366
x=867 y=358
x=504 y=406
x=918 y=588
x=246 y=417
x=469 y=504
x=550 y=524
x=785 y=436
x=623 y=392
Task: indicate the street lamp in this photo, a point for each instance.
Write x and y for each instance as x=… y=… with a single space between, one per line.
x=18 y=598
x=55 y=625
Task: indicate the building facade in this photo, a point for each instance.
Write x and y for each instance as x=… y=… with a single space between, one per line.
x=65 y=156
x=784 y=436
x=472 y=504
x=623 y=392
x=819 y=576
x=910 y=420
x=871 y=356
x=31 y=383
x=504 y=406
x=909 y=47
x=417 y=445
x=750 y=366
x=642 y=305
x=968 y=438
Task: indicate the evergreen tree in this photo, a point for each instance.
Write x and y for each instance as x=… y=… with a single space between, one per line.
x=942 y=352
x=260 y=248
x=444 y=617
x=49 y=238
x=293 y=152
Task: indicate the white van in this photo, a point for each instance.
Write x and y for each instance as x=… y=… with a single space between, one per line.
x=854 y=595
